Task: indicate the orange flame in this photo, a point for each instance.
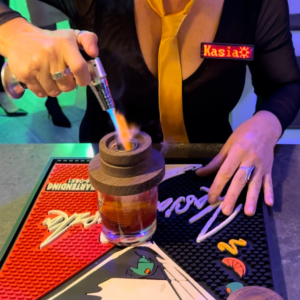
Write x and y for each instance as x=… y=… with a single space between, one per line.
x=125 y=131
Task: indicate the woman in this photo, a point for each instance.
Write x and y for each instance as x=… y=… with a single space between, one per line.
x=129 y=36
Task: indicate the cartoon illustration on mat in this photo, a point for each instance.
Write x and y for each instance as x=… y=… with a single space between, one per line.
x=144 y=268
x=141 y=273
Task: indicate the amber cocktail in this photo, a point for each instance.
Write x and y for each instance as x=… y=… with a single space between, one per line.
x=128 y=219
x=127 y=187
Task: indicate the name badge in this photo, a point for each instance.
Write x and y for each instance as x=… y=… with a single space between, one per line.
x=227 y=51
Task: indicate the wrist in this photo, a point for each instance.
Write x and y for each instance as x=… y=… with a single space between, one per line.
x=10 y=30
x=270 y=122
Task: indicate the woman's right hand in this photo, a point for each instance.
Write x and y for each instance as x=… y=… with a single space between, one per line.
x=34 y=54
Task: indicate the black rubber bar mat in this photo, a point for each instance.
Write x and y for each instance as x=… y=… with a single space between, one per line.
x=203 y=261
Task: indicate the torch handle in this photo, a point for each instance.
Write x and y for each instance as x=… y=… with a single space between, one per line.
x=23 y=85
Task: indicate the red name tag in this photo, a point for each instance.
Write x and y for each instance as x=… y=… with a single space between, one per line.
x=226 y=51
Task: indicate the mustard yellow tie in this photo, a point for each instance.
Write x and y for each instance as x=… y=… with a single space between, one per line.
x=170 y=75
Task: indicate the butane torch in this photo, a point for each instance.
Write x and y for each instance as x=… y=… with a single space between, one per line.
x=15 y=89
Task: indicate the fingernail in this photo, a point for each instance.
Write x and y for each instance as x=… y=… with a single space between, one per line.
x=250 y=210
x=212 y=199
x=270 y=201
x=94 y=50
x=199 y=171
x=227 y=210
x=40 y=95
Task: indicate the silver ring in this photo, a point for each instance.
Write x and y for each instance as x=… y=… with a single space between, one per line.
x=78 y=34
x=61 y=74
x=249 y=171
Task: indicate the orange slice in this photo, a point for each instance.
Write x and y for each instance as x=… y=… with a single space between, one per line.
x=237 y=265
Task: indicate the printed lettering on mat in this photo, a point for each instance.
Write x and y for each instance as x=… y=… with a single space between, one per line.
x=51 y=248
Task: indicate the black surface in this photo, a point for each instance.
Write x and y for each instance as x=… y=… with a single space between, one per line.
x=203 y=261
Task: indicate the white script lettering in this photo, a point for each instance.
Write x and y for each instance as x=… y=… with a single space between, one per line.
x=60 y=224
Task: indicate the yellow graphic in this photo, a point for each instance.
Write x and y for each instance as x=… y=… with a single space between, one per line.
x=244 y=52
x=231 y=246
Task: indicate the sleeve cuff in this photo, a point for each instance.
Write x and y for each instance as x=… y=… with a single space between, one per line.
x=284 y=104
x=9 y=15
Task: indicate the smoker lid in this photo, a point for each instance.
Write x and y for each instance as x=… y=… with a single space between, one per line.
x=126 y=173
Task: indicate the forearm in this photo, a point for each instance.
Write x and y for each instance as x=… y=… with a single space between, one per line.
x=284 y=103
x=11 y=23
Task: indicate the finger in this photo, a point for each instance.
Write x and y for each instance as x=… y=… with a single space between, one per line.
x=235 y=188
x=36 y=88
x=65 y=84
x=89 y=42
x=213 y=166
x=254 y=188
x=48 y=84
x=30 y=80
x=268 y=189
x=225 y=173
x=77 y=64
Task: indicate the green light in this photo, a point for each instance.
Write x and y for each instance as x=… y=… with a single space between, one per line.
x=72 y=151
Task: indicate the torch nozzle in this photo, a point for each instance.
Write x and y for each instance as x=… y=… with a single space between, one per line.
x=99 y=84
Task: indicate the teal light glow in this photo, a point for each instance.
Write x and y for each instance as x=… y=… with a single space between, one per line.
x=73 y=151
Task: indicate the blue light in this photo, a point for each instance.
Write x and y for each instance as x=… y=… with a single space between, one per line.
x=113 y=118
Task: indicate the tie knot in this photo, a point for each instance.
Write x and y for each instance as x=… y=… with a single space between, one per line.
x=171 y=24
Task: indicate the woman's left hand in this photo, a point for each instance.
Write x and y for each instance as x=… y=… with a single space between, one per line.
x=251 y=144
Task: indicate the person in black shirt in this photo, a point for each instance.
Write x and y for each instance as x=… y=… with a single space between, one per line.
x=127 y=41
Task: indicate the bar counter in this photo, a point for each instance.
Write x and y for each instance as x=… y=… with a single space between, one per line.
x=22 y=165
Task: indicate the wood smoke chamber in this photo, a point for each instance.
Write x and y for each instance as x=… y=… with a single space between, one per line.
x=117 y=172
